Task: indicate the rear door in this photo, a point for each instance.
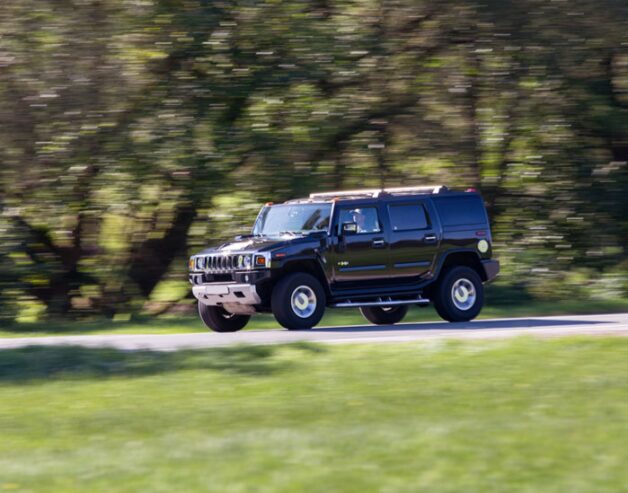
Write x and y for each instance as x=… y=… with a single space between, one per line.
x=414 y=239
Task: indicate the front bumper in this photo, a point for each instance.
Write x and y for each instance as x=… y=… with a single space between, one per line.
x=226 y=294
x=199 y=278
x=491 y=269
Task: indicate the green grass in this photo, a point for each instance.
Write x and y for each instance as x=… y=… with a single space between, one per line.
x=522 y=415
x=186 y=324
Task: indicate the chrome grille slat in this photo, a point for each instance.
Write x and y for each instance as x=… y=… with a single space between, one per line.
x=219 y=263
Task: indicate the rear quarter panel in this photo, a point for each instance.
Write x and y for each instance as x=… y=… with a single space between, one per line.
x=466 y=235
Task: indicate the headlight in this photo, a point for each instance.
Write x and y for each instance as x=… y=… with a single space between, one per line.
x=254 y=261
x=199 y=263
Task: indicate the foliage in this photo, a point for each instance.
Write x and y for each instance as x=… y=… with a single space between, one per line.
x=133 y=133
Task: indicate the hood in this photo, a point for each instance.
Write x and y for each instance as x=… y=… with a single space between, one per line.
x=261 y=243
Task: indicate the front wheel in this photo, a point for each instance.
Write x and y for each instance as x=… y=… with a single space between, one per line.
x=298 y=301
x=220 y=320
x=384 y=315
x=459 y=295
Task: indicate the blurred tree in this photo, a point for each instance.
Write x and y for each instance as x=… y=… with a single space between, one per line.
x=135 y=132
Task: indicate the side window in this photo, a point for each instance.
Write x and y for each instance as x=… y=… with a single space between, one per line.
x=406 y=217
x=456 y=211
x=365 y=217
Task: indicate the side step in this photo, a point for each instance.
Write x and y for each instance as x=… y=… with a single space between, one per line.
x=381 y=302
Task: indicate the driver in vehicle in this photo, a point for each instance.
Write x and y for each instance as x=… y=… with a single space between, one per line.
x=367 y=223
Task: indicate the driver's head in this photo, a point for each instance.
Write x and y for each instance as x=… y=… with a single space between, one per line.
x=359 y=218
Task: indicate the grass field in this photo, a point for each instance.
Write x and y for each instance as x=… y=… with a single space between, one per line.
x=186 y=324
x=522 y=415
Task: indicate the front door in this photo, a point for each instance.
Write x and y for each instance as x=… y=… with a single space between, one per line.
x=360 y=258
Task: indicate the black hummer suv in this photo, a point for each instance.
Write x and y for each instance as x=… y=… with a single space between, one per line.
x=378 y=250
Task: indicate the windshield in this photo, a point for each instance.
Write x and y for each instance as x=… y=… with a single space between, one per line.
x=293 y=218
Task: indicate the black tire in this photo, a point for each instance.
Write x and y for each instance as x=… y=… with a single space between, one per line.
x=451 y=309
x=384 y=315
x=301 y=286
x=220 y=320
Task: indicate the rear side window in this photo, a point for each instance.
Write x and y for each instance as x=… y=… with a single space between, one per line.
x=406 y=217
x=456 y=211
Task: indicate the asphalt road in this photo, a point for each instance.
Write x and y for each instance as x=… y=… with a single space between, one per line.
x=567 y=325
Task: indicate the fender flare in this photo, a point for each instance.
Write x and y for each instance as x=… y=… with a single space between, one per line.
x=441 y=261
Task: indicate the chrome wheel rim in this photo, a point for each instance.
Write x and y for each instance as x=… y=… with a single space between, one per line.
x=226 y=314
x=463 y=294
x=303 y=301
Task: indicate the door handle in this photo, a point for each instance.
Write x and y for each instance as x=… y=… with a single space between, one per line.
x=429 y=238
x=378 y=243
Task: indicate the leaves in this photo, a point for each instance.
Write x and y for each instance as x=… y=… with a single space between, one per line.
x=128 y=126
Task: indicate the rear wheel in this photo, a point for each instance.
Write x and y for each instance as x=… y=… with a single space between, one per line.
x=298 y=301
x=220 y=320
x=384 y=315
x=459 y=295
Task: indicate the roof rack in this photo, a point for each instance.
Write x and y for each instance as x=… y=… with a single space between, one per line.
x=373 y=192
x=376 y=192
x=432 y=189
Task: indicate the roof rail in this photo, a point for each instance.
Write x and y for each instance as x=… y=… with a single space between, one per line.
x=371 y=192
x=376 y=192
x=410 y=190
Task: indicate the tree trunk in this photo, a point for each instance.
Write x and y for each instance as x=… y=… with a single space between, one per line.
x=151 y=259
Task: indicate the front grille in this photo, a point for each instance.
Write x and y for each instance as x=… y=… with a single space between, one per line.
x=217 y=263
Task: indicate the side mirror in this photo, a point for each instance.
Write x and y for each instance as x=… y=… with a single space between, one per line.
x=349 y=228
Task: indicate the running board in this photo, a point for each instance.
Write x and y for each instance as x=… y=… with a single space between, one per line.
x=380 y=302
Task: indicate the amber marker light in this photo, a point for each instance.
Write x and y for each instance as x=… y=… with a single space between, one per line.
x=260 y=261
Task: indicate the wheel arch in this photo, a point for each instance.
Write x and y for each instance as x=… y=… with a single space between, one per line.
x=308 y=266
x=466 y=257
